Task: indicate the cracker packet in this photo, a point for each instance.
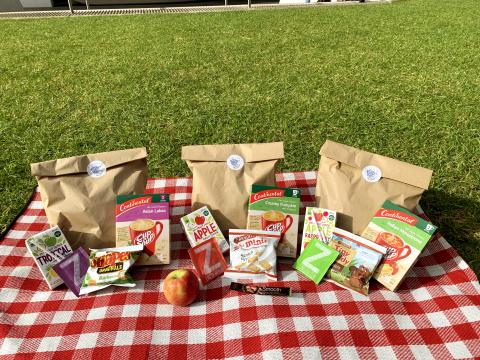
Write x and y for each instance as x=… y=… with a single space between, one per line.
x=109 y=267
x=253 y=254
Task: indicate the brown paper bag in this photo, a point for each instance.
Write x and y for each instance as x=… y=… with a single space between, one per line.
x=79 y=193
x=223 y=176
x=356 y=183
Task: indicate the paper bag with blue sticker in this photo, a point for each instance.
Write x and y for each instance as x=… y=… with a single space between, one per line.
x=223 y=176
x=355 y=183
x=79 y=193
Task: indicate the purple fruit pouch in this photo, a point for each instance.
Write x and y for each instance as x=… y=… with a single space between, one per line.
x=73 y=269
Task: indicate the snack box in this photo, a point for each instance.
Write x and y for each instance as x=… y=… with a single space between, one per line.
x=357 y=261
x=48 y=248
x=272 y=208
x=144 y=219
x=199 y=226
x=318 y=224
x=404 y=234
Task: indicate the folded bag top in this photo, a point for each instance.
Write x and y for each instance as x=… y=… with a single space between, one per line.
x=80 y=164
x=220 y=153
x=224 y=174
x=79 y=193
x=356 y=183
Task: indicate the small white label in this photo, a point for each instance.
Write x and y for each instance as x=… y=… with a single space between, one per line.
x=96 y=169
x=235 y=162
x=371 y=173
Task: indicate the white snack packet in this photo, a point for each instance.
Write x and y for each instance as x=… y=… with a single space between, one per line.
x=253 y=254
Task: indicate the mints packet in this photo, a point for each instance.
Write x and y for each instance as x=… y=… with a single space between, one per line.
x=109 y=267
x=253 y=254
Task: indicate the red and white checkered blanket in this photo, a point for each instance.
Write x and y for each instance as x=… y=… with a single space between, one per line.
x=435 y=314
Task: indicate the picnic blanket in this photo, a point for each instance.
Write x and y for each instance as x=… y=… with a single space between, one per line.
x=435 y=313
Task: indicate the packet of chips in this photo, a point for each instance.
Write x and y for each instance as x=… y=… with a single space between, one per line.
x=109 y=267
x=253 y=254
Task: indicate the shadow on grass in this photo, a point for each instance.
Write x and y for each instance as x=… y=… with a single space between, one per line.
x=458 y=220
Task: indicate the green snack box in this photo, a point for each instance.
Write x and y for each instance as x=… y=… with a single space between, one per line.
x=315 y=260
x=48 y=248
x=404 y=234
x=276 y=209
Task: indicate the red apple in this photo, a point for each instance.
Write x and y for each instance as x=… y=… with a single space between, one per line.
x=199 y=220
x=181 y=287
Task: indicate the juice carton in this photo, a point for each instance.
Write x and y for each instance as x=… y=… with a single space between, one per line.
x=199 y=226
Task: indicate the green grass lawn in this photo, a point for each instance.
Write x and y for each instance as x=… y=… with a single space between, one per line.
x=398 y=79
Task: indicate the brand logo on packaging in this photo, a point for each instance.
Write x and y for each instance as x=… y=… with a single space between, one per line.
x=134 y=203
x=96 y=169
x=397 y=215
x=275 y=227
x=266 y=194
x=235 y=162
x=255 y=242
x=145 y=238
x=371 y=173
x=243 y=238
x=109 y=259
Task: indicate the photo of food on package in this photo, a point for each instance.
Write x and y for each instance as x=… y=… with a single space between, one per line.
x=404 y=234
x=144 y=219
x=318 y=224
x=200 y=226
x=109 y=267
x=357 y=261
x=48 y=248
x=253 y=254
x=276 y=209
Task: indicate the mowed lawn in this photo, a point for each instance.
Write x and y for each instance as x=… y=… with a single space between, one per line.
x=398 y=79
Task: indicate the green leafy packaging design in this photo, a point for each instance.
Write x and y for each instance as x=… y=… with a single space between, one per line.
x=47 y=249
x=199 y=226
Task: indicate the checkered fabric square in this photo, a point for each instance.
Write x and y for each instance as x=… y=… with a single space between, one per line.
x=435 y=313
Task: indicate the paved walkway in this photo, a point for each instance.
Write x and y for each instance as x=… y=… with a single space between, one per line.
x=193 y=7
